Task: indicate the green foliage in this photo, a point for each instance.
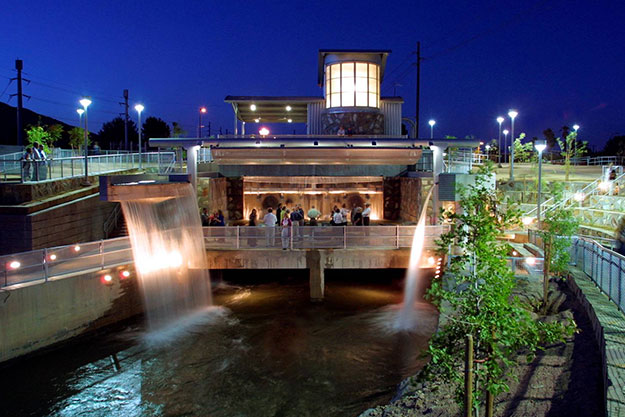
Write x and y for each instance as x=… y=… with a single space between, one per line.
x=570 y=148
x=77 y=138
x=522 y=151
x=557 y=228
x=43 y=134
x=476 y=295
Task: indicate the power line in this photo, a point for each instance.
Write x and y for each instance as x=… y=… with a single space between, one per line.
x=5 y=88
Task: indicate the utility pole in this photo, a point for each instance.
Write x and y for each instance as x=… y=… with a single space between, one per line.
x=209 y=129
x=418 y=89
x=125 y=104
x=19 y=65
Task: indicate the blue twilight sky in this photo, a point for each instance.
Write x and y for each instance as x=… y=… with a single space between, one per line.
x=556 y=61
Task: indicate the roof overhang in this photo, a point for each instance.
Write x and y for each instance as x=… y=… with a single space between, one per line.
x=270 y=109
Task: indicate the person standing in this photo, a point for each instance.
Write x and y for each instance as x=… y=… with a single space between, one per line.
x=337 y=218
x=313 y=214
x=253 y=217
x=357 y=216
x=205 y=217
x=221 y=221
x=43 y=172
x=286 y=229
x=366 y=214
x=345 y=215
x=296 y=217
x=270 y=228
x=27 y=161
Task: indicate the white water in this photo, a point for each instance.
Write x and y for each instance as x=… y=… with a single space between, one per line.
x=414 y=288
x=169 y=254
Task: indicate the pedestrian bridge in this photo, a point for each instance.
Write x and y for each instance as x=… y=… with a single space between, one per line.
x=230 y=247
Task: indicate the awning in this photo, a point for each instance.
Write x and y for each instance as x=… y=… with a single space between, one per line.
x=268 y=109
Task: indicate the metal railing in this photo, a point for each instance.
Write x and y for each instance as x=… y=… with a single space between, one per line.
x=44 y=264
x=604 y=267
x=597 y=160
x=61 y=168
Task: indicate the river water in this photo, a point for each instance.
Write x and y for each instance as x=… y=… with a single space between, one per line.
x=263 y=350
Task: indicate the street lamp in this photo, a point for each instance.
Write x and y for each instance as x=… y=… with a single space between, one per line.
x=500 y=121
x=575 y=128
x=80 y=112
x=199 y=125
x=139 y=108
x=540 y=145
x=487 y=152
x=432 y=123
x=505 y=142
x=85 y=102
x=513 y=114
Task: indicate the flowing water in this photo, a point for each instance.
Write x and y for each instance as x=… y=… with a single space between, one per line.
x=263 y=350
x=168 y=249
x=415 y=286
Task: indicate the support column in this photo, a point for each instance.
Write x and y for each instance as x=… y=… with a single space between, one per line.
x=437 y=168
x=192 y=164
x=316 y=272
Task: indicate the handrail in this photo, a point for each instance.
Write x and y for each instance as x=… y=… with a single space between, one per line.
x=43 y=264
x=112 y=220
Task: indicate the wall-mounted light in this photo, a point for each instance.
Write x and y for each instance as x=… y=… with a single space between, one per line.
x=288 y=108
x=253 y=107
x=290 y=120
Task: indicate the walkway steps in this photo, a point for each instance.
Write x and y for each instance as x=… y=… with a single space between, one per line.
x=609 y=325
x=535 y=250
x=521 y=250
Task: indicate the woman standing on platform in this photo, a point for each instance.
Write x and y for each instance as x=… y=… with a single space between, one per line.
x=253 y=217
x=286 y=229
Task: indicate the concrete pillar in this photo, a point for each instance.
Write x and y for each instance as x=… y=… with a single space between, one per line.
x=316 y=272
x=437 y=168
x=192 y=164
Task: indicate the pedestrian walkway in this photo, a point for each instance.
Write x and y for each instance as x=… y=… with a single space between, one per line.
x=609 y=326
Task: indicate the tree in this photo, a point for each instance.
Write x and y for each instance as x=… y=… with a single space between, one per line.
x=615 y=146
x=44 y=135
x=179 y=131
x=522 y=151
x=155 y=127
x=111 y=134
x=475 y=296
x=77 y=138
x=570 y=148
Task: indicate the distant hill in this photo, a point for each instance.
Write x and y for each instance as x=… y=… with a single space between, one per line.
x=8 y=125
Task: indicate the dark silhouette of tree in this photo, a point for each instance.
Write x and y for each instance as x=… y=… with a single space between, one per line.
x=111 y=135
x=155 y=127
x=615 y=146
x=179 y=131
x=550 y=137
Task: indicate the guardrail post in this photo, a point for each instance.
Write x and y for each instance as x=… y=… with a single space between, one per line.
x=101 y=250
x=291 y=233
x=344 y=237
x=45 y=264
x=397 y=237
x=238 y=238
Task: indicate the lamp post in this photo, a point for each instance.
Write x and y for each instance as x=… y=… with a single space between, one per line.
x=432 y=123
x=505 y=142
x=513 y=114
x=540 y=145
x=487 y=152
x=139 y=108
x=199 y=125
x=500 y=121
x=80 y=112
x=85 y=102
x=575 y=128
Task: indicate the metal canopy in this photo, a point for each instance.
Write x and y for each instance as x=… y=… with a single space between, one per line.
x=271 y=109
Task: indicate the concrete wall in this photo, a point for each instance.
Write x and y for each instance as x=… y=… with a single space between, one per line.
x=69 y=218
x=39 y=315
x=411 y=199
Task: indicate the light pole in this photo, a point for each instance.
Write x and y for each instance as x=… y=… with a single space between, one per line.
x=139 y=108
x=487 y=152
x=199 y=125
x=85 y=102
x=513 y=114
x=540 y=145
x=500 y=121
x=505 y=143
x=575 y=128
x=432 y=123
x=80 y=112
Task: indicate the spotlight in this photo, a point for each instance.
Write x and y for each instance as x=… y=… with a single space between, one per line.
x=528 y=220
x=77 y=248
x=53 y=257
x=530 y=261
x=15 y=264
x=125 y=274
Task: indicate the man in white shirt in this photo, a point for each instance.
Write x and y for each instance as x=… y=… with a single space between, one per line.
x=366 y=214
x=345 y=215
x=270 y=227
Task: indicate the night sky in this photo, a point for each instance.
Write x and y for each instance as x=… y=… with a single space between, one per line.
x=557 y=62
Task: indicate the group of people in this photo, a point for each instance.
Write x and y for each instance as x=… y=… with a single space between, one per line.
x=358 y=217
x=215 y=219
x=34 y=163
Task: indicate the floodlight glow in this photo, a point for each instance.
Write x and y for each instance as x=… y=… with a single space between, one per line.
x=531 y=261
x=487 y=147
x=290 y=120
x=125 y=274
x=500 y=120
x=431 y=260
x=15 y=264
x=579 y=196
x=506 y=131
x=139 y=108
x=604 y=185
x=263 y=131
x=52 y=257
x=85 y=102
x=203 y=110
x=576 y=127
x=288 y=108
x=80 y=111
x=257 y=120
x=527 y=220
x=253 y=107
x=432 y=122
x=540 y=145
x=108 y=278
x=513 y=114
x=77 y=248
